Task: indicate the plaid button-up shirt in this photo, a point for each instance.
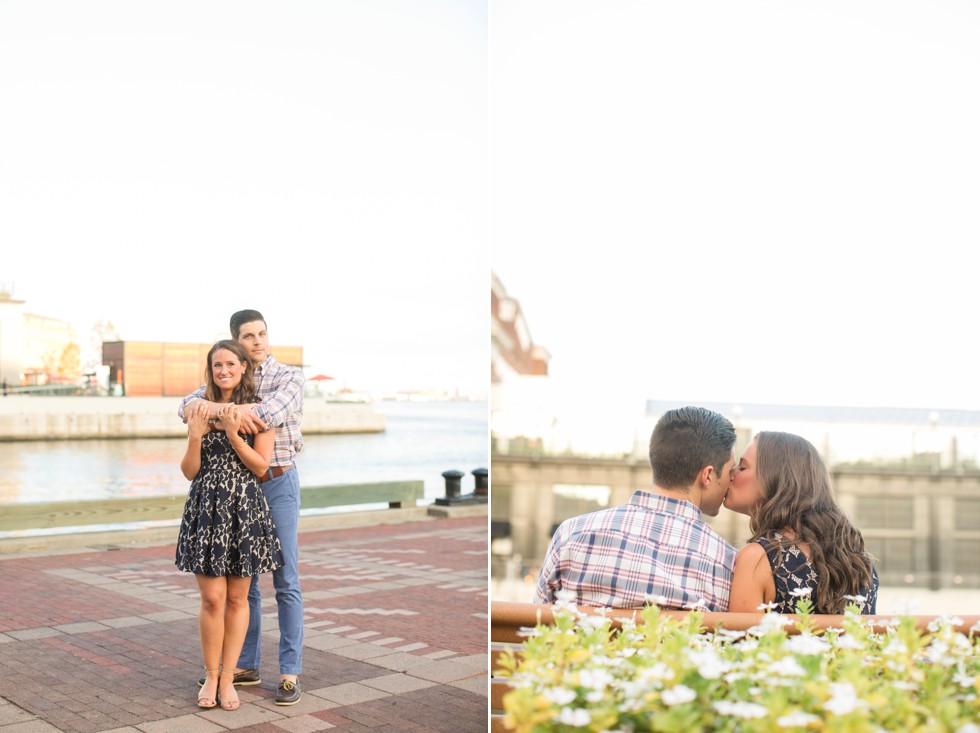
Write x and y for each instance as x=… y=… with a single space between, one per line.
x=654 y=549
x=281 y=389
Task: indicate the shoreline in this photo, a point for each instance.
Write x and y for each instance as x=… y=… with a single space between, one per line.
x=27 y=418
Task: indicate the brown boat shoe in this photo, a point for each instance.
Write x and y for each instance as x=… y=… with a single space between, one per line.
x=245 y=678
x=288 y=692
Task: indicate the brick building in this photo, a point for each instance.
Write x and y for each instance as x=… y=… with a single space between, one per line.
x=164 y=369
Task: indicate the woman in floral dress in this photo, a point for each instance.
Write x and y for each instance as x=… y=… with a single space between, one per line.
x=226 y=534
x=802 y=542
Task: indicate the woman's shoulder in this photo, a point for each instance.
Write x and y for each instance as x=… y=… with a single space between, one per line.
x=752 y=553
x=767 y=543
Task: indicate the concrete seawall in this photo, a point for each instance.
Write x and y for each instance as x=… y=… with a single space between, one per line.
x=68 y=418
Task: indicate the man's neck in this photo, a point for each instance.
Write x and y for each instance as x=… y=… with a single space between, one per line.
x=684 y=494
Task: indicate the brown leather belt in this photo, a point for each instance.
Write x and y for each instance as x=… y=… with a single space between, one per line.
x=274 y=472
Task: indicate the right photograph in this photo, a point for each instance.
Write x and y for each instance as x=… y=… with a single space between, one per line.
x=732 y=365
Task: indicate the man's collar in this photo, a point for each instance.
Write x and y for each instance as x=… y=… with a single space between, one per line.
x=270 y=360
x=659 y=502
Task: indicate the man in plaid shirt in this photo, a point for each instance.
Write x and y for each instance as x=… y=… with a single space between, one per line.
x=656 y=548
x=281 y=389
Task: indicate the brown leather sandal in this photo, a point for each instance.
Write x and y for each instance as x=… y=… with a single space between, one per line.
x=203 y=701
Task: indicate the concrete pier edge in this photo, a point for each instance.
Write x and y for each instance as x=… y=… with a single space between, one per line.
x=150 y=536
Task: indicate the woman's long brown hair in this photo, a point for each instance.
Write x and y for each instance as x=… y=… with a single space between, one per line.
x=797 y=496
x=246 y=390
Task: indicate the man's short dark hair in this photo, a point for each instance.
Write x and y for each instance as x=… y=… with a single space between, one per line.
x=686 y=440
x=241 y=318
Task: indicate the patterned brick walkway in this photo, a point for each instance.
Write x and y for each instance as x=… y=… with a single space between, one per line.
x=396 y=638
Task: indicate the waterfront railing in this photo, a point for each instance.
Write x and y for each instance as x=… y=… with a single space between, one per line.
x=130 y=510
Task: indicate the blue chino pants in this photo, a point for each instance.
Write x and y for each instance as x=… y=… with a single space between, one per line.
x=282 y=493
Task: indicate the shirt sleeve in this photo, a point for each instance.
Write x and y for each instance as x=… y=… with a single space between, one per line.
x=284 y=401
x=548 y=580
x=195 y=395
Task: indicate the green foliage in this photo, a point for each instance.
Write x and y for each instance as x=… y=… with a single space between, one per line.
x=665 y=676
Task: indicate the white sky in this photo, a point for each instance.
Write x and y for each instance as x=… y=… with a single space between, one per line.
x=753 y=201
x=163 y=164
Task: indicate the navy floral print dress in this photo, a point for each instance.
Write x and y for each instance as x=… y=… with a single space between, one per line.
x=791 y=570
x=226 y=528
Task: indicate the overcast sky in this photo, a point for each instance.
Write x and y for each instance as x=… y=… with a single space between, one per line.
x=753 y=201
x=167 y=163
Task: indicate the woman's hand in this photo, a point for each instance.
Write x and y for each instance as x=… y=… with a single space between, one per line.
x=231 y=420
x=197 y=420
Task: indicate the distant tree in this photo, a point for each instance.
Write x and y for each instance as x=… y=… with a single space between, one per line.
x=70 y=362
x=50 y=363
x=102 y=332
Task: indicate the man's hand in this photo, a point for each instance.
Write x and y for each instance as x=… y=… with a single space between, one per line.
x=250 y=423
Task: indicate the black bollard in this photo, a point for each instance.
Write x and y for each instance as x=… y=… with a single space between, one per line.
x=453 y=479
x=482 y=487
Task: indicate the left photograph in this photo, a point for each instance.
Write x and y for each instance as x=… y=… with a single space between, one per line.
x=244 y=416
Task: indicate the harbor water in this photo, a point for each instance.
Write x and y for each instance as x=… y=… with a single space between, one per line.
x=421 y=441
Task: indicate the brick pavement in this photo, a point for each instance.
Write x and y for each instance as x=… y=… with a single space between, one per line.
x=396 y=638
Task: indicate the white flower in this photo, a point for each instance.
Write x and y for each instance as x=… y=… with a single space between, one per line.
x=769 y=622
x=787 y=667
x=527 y=631
x=709 y=664
x=741 y=709
x=968 y=728
x=564 y=598
x=678 y=694
x=895 y=647
x=593 y=622
x=656 y=600
x=944 y=621
x=938 y=653
x=699 y=605
x=843 y=699
x=560 y=695
x=575 y=717
x=856 y=599
x=807 y=644
x=730 y=634
x=595 y=679
x=905 y=685
x=798 y=719
x=766 y=606
x=964 y=680
x=801 y=592
x=846 y=641
x=659 y=672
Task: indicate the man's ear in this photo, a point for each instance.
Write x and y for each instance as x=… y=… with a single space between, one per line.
x=705 y=476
